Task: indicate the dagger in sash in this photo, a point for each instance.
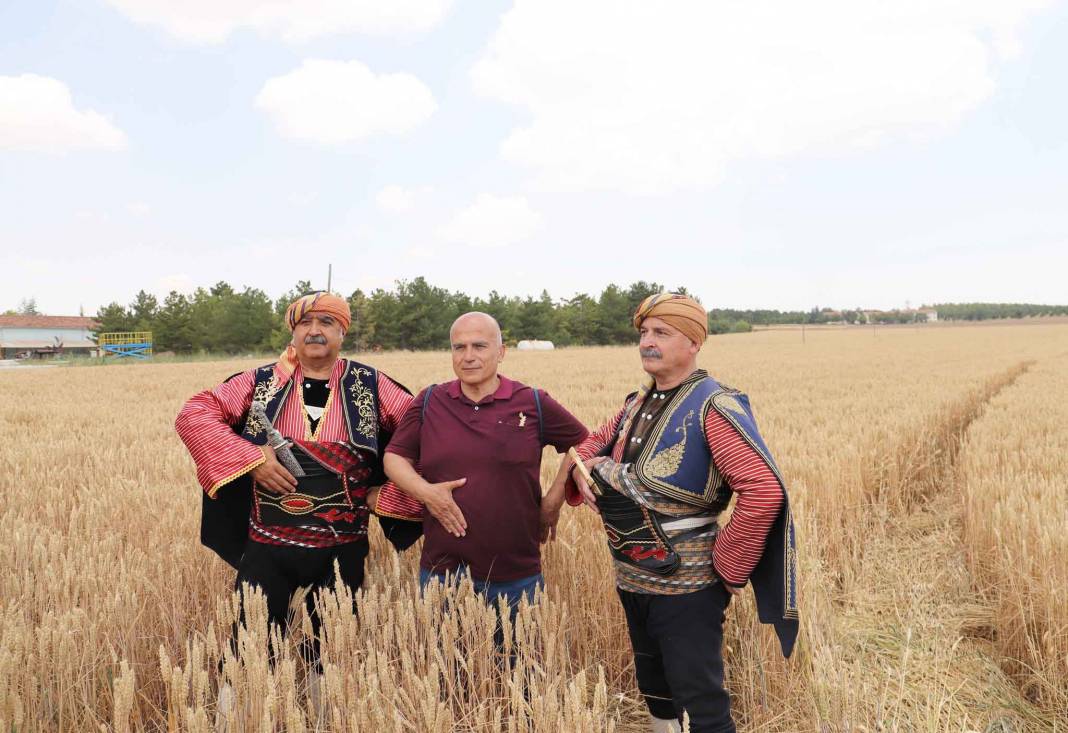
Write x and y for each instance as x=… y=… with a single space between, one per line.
x=282 y=446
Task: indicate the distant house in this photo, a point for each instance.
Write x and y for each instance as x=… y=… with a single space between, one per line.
x=930 y=313
x=46 y=336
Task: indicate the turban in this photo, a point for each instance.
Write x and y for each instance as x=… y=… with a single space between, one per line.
x=327 y=303
x=681 y=312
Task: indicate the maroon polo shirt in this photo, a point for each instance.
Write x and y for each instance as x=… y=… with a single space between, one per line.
x=494 y=444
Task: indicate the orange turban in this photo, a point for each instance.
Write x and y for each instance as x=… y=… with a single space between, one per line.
x=679 y=311
x=322 y=302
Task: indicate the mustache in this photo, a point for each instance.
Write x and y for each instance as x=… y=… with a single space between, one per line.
x=650 y=353
x=315 y=339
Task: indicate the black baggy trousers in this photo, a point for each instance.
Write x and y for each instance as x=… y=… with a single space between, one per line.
x=280 y=571
x=678 y=655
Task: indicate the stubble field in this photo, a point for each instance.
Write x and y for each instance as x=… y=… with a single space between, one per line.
x=927 y=469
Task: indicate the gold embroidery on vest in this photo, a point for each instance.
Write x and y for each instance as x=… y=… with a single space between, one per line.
x=365 y=405
x=666 y=462
x=729 y=402
x=264 y=392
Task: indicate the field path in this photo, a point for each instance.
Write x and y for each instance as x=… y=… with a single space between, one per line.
x=926 y=630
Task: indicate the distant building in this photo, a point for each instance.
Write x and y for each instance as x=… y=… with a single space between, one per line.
x=46 y=336
x=531 y=345
x=931 y=313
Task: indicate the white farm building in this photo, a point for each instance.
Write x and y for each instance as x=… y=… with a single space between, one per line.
x=45 y=336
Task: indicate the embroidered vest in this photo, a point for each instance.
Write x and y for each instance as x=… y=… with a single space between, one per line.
x=358 y=388
x=675 y=460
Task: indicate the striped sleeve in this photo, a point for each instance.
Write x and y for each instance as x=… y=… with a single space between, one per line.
x=760 y=497
x=393 y=402
x=596 y=442
x=204 y=425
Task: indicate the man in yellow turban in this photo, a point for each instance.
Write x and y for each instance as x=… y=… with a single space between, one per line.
x=664 y=468
x=289 y=456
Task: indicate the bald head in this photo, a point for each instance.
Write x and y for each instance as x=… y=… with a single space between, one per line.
x=477 y=321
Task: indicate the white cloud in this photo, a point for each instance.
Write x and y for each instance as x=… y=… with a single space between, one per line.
x=294 y=21
x=649 y=97
x=38 y=114
x=333 y=102
x=394 y=199
x=492 y=221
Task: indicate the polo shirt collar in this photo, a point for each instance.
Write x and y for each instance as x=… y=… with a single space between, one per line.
x=504 y=391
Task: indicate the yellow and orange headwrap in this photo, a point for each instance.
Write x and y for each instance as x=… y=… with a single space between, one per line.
x=678 y=311
x=322 y=302
x=318 y=302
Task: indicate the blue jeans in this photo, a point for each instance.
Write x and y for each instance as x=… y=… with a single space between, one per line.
x=512 y=590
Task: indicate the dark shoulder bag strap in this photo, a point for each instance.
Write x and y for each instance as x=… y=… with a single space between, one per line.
x=426 y=401
x=541 y=427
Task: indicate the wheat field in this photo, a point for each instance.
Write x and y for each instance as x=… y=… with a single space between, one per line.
x=926 y=468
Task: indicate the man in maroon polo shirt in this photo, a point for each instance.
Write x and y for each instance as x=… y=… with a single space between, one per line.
x=478 y=443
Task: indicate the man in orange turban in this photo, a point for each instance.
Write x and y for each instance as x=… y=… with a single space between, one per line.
x=289 y=485
x=665 y=468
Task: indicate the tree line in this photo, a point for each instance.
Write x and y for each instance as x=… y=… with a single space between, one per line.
x=412 y=315
x=416 y=315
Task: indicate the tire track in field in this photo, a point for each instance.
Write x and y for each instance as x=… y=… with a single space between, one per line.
x=924 y=464
x=909 y=609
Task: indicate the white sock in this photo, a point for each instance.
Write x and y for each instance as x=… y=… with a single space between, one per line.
x=661 y=725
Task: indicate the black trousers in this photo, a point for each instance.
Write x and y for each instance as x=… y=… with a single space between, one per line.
x=279 y=571
x=678 y=655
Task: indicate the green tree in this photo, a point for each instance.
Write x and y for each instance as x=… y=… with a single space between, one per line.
x=113 y=317
x=173 y=330
x=28 y=307
x=143 y=311
x=535 y=319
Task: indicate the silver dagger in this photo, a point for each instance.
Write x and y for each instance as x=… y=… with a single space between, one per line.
x=258 y=412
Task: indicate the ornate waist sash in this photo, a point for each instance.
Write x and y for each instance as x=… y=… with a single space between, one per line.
x=322 y=499
x=636 y=534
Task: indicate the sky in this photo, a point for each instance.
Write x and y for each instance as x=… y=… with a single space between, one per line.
x=833 y=153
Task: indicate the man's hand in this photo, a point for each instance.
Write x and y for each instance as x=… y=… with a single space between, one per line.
x=272 y=475
x=439 y=502
x=732 y=590
x=550 y=516
x=588 y=497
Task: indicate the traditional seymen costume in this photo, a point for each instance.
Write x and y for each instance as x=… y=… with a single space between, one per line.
x=676 y=457
x=338 y=428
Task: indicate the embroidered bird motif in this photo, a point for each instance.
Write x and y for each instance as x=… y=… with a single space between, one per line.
x=666 y=462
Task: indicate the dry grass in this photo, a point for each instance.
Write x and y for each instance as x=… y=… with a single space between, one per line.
x=113 y=616
x=1014 y=474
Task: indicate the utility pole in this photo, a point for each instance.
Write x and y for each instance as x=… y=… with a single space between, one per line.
x=329 y=276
